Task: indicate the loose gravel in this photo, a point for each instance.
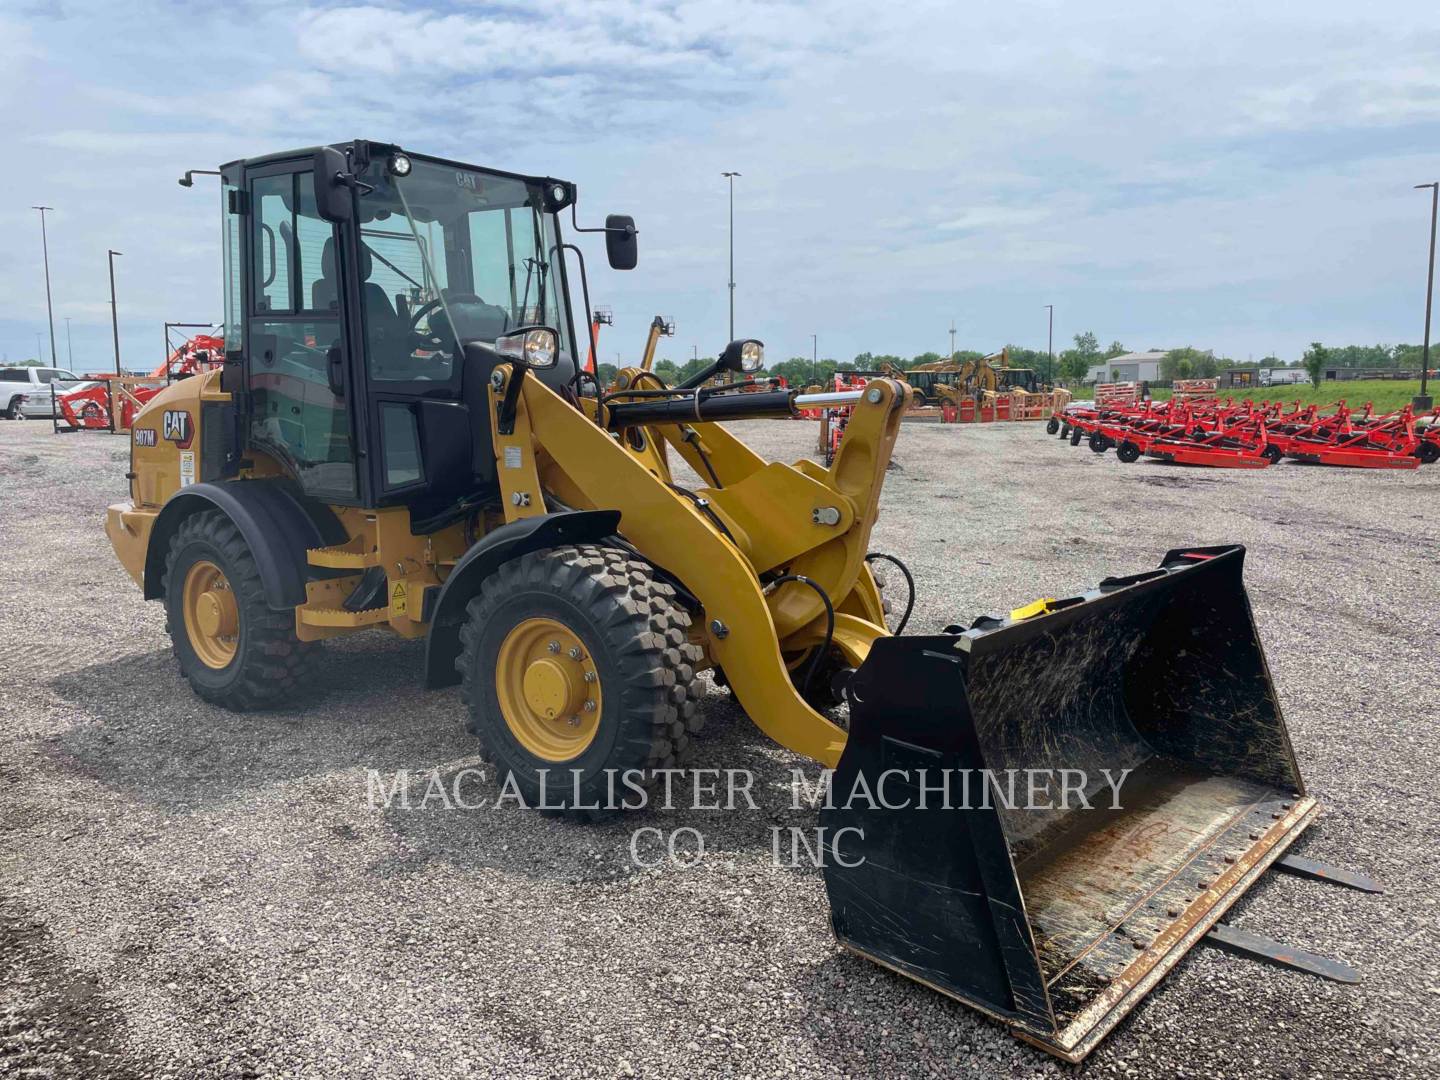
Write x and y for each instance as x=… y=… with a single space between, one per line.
x=188 y=892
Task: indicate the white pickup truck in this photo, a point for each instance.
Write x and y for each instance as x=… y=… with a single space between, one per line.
x=25 y=391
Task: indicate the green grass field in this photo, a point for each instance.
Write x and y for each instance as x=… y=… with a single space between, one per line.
x=1387 y=394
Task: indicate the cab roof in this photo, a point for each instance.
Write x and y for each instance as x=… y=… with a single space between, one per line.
x=369 y=149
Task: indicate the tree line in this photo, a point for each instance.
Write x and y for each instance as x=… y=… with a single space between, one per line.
x=1071 y=365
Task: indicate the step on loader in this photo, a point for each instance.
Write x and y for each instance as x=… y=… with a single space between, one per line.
x=404 y=435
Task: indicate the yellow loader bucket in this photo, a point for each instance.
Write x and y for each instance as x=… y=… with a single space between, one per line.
x=1040 y=815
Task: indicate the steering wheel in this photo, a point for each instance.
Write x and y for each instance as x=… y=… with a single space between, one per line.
x=434 y=340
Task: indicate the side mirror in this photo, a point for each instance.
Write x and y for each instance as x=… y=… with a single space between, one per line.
x=621 y=241
x=333 y=201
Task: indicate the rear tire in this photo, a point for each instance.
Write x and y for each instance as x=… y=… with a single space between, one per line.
x=12 y=410
x=1098 y=443
x=1428 y=453
x=1128 y=452
x=627 y=630
x=1075 y=436
x=261 y=660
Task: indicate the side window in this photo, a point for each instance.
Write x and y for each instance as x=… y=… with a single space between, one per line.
x=401 y=444
x=230 y=230
x=274 y=213
x=315 y=240
x=14 y=375
x=45 y=374
x=293 y=407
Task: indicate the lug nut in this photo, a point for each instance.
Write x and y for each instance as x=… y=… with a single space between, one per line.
x=589 y=676
x=574 y=653
x=589 y=706
x=554 y=646
x=574 y=721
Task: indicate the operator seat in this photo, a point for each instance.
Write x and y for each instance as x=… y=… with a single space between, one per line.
x=381 y=321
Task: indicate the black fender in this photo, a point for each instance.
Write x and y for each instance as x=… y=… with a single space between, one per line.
x=508 y=542
x=279 y=525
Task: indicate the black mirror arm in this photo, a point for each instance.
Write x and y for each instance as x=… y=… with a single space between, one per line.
x=628 y=230
x=353 y=182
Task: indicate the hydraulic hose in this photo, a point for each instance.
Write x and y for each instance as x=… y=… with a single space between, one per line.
x=821 y=651
x=909 y=581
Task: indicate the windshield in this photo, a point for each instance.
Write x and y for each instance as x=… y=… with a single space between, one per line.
x=452 y=254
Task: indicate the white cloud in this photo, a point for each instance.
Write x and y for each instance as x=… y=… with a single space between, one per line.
x=1231 y=176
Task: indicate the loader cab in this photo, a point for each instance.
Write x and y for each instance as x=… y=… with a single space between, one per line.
x=359 y=281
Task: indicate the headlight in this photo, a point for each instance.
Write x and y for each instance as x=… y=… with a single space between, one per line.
x=752 y=356
x=743 y=355
x=536 y=348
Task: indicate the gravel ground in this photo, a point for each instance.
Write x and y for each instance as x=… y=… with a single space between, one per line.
x=186 y=892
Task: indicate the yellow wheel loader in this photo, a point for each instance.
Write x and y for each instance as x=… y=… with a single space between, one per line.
x=403 y=436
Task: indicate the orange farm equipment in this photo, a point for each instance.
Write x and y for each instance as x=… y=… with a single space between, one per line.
x=110 y=402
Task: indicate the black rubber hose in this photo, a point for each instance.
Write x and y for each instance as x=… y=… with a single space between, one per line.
x=823 y=650
x=909 y=581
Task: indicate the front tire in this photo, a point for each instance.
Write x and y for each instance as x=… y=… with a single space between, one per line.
x=234 y=650
x=577 y=673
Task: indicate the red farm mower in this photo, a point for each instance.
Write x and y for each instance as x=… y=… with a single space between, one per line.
x=1247 y=435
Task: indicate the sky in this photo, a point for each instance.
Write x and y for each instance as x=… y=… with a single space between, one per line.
x=1232 y=176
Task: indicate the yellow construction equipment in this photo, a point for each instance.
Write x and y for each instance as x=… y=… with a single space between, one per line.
x=404 y=436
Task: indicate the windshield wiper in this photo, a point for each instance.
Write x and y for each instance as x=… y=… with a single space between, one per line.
x=532 y=265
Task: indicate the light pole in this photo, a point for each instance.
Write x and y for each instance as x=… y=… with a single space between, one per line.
x=49 y=310
x=69 y=345
x=114 y=319
x=731 y=177
x=952 y=339
x=814 y=359
x=1050 y=346
x=1423 y=401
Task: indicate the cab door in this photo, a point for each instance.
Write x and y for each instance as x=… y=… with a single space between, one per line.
x=298 y=372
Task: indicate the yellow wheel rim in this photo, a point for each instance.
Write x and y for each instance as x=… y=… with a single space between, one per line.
x=212 y=617
x=549 y=689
